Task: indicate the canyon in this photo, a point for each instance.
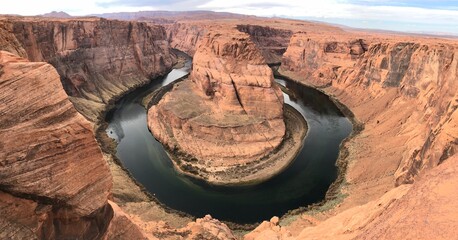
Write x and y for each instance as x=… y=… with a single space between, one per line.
x=98 y=60
x=397 y=170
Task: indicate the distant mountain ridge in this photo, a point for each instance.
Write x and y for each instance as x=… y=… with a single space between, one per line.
x=55 y=14
x=189 y=15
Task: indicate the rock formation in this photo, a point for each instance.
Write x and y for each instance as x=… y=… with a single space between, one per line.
x=55 y=184
x=98 y=59
x=202 y=228
x=272 y=42
x=50 y=163
x=185 y=36
x=227 y=115
x=403 y=92
x=406 y=87
x=423 y=210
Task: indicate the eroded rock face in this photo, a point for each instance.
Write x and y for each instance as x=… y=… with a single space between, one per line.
x=229 y=112
x=403 y=92
x=48 y=155
x=405 y=89
x=271 y=41
x=321 y=59
x=97 y=59
x=185 y=36
x=411 y=211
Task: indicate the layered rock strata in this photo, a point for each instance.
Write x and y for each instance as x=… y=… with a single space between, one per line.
x=185 y=36
x=397 y=214
x=97 y=59
x=50 y=163
x=272 y=42
x=226 y=116
x=404 y=91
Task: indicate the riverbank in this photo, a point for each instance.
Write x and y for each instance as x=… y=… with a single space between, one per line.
x=335 y=194
x=127 y=192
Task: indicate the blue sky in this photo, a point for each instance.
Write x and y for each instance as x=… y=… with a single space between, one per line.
x=424 y=16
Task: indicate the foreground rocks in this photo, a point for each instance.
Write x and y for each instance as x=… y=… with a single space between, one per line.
x=54 y=180
x=228 y=114
x=50 y=163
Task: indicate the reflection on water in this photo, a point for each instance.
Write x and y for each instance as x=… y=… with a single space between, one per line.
x=304 y=182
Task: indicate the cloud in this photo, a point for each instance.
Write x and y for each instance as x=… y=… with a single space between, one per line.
x=403 y=15
x=158 y=3
x=369 y=11
x=293 y=8
x=79 y=7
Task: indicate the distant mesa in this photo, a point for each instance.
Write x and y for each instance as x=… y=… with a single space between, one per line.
x=171 y=15
x=55 y=14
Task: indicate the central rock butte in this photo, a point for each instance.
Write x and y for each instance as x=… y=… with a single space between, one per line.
x=226 y=120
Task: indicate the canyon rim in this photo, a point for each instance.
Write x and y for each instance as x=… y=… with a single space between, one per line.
x=60 y=76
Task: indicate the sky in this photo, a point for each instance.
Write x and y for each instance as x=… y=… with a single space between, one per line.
x=423 y=16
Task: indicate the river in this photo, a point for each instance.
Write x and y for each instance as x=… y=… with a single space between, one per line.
x=304 y=182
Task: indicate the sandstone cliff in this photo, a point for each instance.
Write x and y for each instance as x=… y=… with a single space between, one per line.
x=423 y=210
x=98 y=60
x=272 y=42
x=403 y=91
x=185 y=36
x=50 y=164
x=229 y=112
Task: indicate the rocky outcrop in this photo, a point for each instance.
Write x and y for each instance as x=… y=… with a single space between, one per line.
x=206 y=228
x=402 y=94
x=320 y=59
x=98 y=59
x=405 y=90
x=398 y=214
x=272 y=42
x=228 y=114
x=51 y=168
x=185 y=36
x=122 y=226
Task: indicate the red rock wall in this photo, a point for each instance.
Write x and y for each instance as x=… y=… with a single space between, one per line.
x=272 y=42
x=49 y=160
x=404 y=92
x=97 y=59
x=185 y=36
